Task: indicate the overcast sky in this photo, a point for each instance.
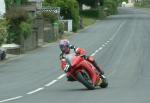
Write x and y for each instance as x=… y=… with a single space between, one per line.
x=2 y=7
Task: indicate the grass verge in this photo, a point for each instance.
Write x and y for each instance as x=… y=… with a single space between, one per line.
x=88 y=21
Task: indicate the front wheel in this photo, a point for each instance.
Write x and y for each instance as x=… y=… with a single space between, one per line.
x=85 y=79
x=104 y=83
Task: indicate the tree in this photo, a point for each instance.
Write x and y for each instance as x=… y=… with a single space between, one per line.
x=8 y=3
x=11 y=3
x=49 y=2
x=19 y=25
x=69 y=10
x=101 y=2
x=3 y=32
x=91 y=3
x=111 y=6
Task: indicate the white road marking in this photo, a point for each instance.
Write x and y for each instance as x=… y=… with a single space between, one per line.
x=96 y=51
x=10 y=99
x=120 y=26
x=100 y=48
x=37 y=90
x=51 y=83
x=61 y=76
x=103 y=45
x=92 y=54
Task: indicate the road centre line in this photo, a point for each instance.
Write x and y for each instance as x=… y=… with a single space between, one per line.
x=103 y=45
x=100 y=48
x=61 y=76
x=10 y=99
x=51 y=83
x=92 y=54
x=96 y=51
x=34 y=91
x=120 y=26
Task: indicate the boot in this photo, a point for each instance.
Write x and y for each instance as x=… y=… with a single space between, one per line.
x=98 y=68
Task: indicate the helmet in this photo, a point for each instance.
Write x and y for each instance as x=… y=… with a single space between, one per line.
x=64 y=46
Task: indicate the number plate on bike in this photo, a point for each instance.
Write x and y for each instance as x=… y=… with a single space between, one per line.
x=67 y=68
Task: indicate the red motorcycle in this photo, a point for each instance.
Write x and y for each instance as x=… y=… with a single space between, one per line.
x=80 y=69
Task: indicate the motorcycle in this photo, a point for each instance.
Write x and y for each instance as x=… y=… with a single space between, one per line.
x=80 y=69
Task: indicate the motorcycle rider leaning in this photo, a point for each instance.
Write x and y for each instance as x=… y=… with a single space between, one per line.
x=67 y=48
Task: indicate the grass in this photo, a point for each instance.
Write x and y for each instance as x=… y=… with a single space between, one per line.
x=88 y=21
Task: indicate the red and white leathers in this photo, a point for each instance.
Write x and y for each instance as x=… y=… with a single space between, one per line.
x=90 y=59
x=78 y=51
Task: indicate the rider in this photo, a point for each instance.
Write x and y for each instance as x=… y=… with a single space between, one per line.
x=67 y=48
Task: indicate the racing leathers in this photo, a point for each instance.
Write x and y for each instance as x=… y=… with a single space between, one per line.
x=79 y=51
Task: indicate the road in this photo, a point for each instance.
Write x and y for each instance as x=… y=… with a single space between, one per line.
x=120 y=43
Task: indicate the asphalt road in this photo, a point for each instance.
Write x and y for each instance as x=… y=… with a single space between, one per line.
x=121 y=43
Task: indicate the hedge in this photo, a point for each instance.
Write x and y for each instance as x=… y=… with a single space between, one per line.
x=20 y=25
x=111 y=6
x=98 y=13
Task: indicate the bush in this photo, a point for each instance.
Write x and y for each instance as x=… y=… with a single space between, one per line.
x=25 y=29
x=19 y=25
x=3 y=35
x=3 y=31
x=49 y=17
x=61 y=28
x=92 y=13
x=98 y=13
x=111 y=6
x=69 y=10
x=102 y=13
x=13 y=3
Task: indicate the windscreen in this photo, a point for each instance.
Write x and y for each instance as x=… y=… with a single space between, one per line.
x=69 y=58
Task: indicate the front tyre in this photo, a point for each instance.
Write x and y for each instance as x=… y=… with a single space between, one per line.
x=85 y=79
x=104 y=83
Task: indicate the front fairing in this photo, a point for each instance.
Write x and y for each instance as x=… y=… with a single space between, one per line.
x=72 y=59
x=77 y=64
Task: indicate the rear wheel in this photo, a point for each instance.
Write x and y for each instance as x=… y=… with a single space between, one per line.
x=85 y=79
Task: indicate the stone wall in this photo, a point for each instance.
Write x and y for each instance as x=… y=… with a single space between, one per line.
x=31 y=42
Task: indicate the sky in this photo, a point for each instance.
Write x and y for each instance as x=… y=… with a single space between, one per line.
x=2 y=7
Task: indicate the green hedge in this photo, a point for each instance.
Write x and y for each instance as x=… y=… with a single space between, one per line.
x=98 y=13
x=20 y=25
x=49 y=17
x=92 y=13
x=3 y=32
x=111 y=7
x=69 y=10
